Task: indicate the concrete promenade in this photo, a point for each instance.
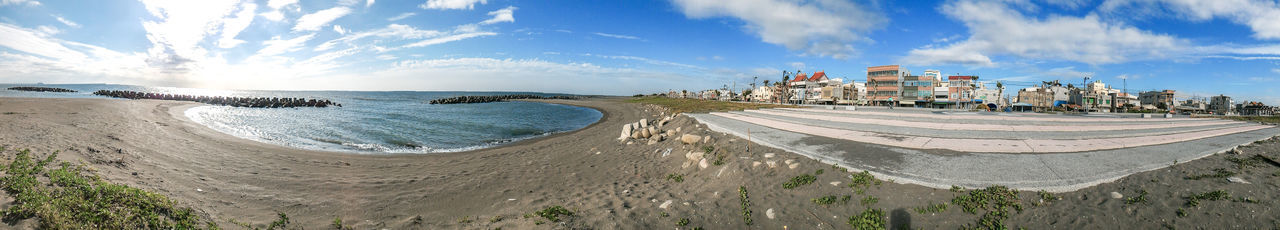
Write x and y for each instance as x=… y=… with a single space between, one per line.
x=1026 y=151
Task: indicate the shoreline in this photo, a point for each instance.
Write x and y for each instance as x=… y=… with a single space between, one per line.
x=180 y=111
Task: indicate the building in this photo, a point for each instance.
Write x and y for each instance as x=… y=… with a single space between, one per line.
x=1157 y=99
x=1255 y=109
x=960 y=90
x=764 y=94
x=884 y=84
x=1095 y=96
x=855 y=94
x=1222 y=105
x=1124 y=101
x=985 y=95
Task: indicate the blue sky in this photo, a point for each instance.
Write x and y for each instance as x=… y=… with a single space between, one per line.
x=1198 y=47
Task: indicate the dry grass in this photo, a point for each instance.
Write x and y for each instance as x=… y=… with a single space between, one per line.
x=684 y=105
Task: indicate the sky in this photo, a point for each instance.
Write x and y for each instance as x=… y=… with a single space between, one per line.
x=1200 y=48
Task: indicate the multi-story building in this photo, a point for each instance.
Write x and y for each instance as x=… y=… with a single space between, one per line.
x=1254 y=108
x=961 y=89
x=763 y=94
x=855 y=93
x=884 y=84
x=1038 y=97
x=985 y=95
x=1157 y=99
x=1095 y=96
x=1222 y=105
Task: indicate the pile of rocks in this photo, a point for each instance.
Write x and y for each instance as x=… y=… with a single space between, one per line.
x=41 y=89
x=647 y=130
x=494 y=98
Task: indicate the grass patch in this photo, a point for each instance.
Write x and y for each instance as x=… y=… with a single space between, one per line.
x=819 y=172
x=798 y=181
x=495 y=219
x=1045 y=197
x=1217 y=173
x=957 y=188
x=868 y=219
x=1141 y=198
x=1243 y=163
x=932 y=208
x=553 y=213
x=675 y=177
x=685 y=105
x=1265 y=119
x=996 y=200
x=337 y=224
x=870 y=200
x=1194 y=199
x=682 y=222
x=746 y=204
x=863 y=180
x=71 y=197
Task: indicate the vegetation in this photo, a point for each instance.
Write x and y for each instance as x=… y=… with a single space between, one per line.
x=682 y=222
x=1141 y=198
x=932 y=208
x=1194 y=199
x=957 y=188
x=1264 y=119
x=996 y=200
x=869 y=200
x=71 y=197
x=819 y=172
x=337 y=224
x=1217 y=173
x=1250 y=162
x=685 y=105
x=495 y=219
x=868 y=219
x=862 y=181
x=798 y=181
x=829 y=200
x=553 y=213
x=675 y=177
x=1045 y=197
x=746 y=204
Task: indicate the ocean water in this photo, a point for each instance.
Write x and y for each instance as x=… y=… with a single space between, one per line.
x=368 y=122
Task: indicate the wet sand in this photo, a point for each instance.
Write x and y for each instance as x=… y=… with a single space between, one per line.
x=151 y=145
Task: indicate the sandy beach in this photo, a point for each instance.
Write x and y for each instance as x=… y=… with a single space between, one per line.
x=609 y=184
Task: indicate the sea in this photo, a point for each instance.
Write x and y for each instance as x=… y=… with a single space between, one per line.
x=369 y=122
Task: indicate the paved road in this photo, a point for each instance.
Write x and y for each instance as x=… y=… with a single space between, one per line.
x=1057 y=153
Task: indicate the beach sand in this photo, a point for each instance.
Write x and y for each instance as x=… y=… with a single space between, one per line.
x=609 y=184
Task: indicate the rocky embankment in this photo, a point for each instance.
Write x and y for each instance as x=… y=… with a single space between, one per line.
x=41 y=89
x=495 y=98
x=252 y=102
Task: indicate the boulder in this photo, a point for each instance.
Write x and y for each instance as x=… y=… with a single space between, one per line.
x=769 y=155
x=645 y=133
x=652 y=141
x=670 y=132
x=690 y=139
x=637 y=135
x=772 y=164
x=1116 y=195
x=654 y=131
x=678 y=129
x=703 y=163
x=693 y=155
x=644 y=123
x=706 y=139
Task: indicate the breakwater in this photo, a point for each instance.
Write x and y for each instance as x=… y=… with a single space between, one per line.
x=252 y=102
x=495 y=98
x=42 y=89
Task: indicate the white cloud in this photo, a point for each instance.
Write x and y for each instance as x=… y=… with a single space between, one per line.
x=46 y=31
x=524 y=75
x=277 y=4
x=797 y=65
x=368 y=3
x=386 y=57
x=19 y=2
x=619 y=36
x=337 y=28
x=64 y=21
x=35 y=42
x=452 y=4
x=232 y=27
x=1277 y=71
x=450 y=38
x=997 y=29
x=313 y=21
x=564 y=31
x=177 y=37
x=1069 y=4
x=502 y=15
x=646 y=60
x=273 y=16
x=1262 y=16
x=278 y=46
x=401 y=16
x=822 y=28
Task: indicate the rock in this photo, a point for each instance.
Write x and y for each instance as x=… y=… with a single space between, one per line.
x=654 y=131
x=652 y=141
x=678 y=129
x=199 y=190
x=645 y=133
x=1237 y=180
x=637 y=135
x=598 y=153
x=665 y=204
x=630 y=142
x=1116 y=195
x=835 y=183
x=693 y=156
x=706 y=139
x=793 y=166
x=769 y=155
x=703 y=163
x=769 y=213
x=789 y=161
x=755 y=164
x=670 y=132
x=686 y=164
x=626 y=129
x=666 y=152
x=690 y=139
x=772 y=164
x=644 y=123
